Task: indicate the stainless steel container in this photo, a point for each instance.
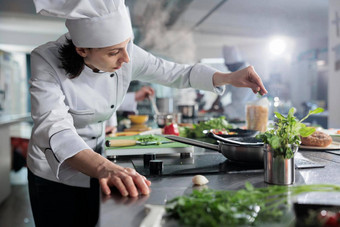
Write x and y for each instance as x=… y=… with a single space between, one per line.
x=165 y=105
x=278 y=170
x=163 y=119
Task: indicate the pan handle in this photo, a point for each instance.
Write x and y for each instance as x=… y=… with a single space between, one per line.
x=220 y=138
x=193 y=142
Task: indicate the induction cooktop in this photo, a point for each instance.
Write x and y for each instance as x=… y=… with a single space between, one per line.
x=209 y=162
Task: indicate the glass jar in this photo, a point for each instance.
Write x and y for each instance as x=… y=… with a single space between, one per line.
x=257 y=115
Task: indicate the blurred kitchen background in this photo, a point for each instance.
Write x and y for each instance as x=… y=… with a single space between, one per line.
x=293 y=45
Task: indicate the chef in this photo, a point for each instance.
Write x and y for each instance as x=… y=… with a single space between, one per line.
x=77 y=83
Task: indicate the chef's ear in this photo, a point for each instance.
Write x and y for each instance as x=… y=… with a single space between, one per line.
x=82 y=51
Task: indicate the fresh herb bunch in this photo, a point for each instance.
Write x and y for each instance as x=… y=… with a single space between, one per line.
x=147 y=138
x=219 y=123
x=249 y=206
x=287 y=132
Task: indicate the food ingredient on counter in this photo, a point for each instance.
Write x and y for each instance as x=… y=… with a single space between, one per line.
x=138 y=119
x=223 y=132
x=147 y=138
x=200 y=180
x=312 y=215
x=171 y=129
x=248 y=206
x=196 y=131
x=317 y=139
x=329 y=218
x=287 y=132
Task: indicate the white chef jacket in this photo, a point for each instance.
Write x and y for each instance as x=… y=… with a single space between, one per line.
x=69 y=114
x=129 y=104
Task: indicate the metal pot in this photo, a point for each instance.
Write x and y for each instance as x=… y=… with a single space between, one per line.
x=234 y=152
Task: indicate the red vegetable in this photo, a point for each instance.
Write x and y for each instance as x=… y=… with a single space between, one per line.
x=329 y=219
x=171 y=129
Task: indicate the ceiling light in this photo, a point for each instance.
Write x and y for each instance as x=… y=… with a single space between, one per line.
x=277 y=46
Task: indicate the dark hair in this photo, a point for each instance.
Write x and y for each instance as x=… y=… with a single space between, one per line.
x=71 y=61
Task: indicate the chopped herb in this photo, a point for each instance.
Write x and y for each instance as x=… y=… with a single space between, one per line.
x=147 y=138
x=249 y=206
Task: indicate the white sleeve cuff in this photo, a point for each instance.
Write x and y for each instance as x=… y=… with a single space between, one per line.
x=64 y=145
x=201 y=77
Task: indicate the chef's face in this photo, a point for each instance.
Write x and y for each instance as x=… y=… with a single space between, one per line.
x=107 y=59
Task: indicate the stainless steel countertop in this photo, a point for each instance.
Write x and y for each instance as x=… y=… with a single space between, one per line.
x=120 y=211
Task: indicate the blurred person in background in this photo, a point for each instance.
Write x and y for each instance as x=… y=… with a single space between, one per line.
x=129 y=104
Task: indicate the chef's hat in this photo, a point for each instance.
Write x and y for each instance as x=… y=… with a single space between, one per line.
x=91 y=23
x=232 y=55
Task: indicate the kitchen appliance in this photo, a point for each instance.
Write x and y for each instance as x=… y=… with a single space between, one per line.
x=209 y=162
x=188 y=111
x=165 y=105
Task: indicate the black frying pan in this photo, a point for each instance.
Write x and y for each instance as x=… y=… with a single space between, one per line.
x=235 y=152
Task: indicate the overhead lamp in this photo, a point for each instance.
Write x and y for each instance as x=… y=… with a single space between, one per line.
x=277 y=46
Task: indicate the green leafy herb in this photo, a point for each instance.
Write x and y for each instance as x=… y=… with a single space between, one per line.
x=287 y=132
x=258 y=95
x=219 y=123
x=147 y=138
x=249 y=206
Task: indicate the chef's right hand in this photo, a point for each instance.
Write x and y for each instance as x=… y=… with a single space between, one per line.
x=127 y=181
x=144 y=93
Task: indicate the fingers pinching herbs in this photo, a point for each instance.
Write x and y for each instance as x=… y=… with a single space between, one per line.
x=255 y=78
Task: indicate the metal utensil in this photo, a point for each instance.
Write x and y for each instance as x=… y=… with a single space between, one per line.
x=154 y=216
x=154 y=106
x=125 y=143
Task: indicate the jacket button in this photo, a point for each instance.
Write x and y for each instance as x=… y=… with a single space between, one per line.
x=112 y=106
x=93 y=137
x=112 y=75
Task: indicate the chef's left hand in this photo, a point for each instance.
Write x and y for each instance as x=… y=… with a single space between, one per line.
x=246 y=77
x=127 y=181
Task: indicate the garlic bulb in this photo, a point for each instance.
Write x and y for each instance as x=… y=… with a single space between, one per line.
x=199 y=180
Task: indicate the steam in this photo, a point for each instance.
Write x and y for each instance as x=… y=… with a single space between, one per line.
x=174 y=44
